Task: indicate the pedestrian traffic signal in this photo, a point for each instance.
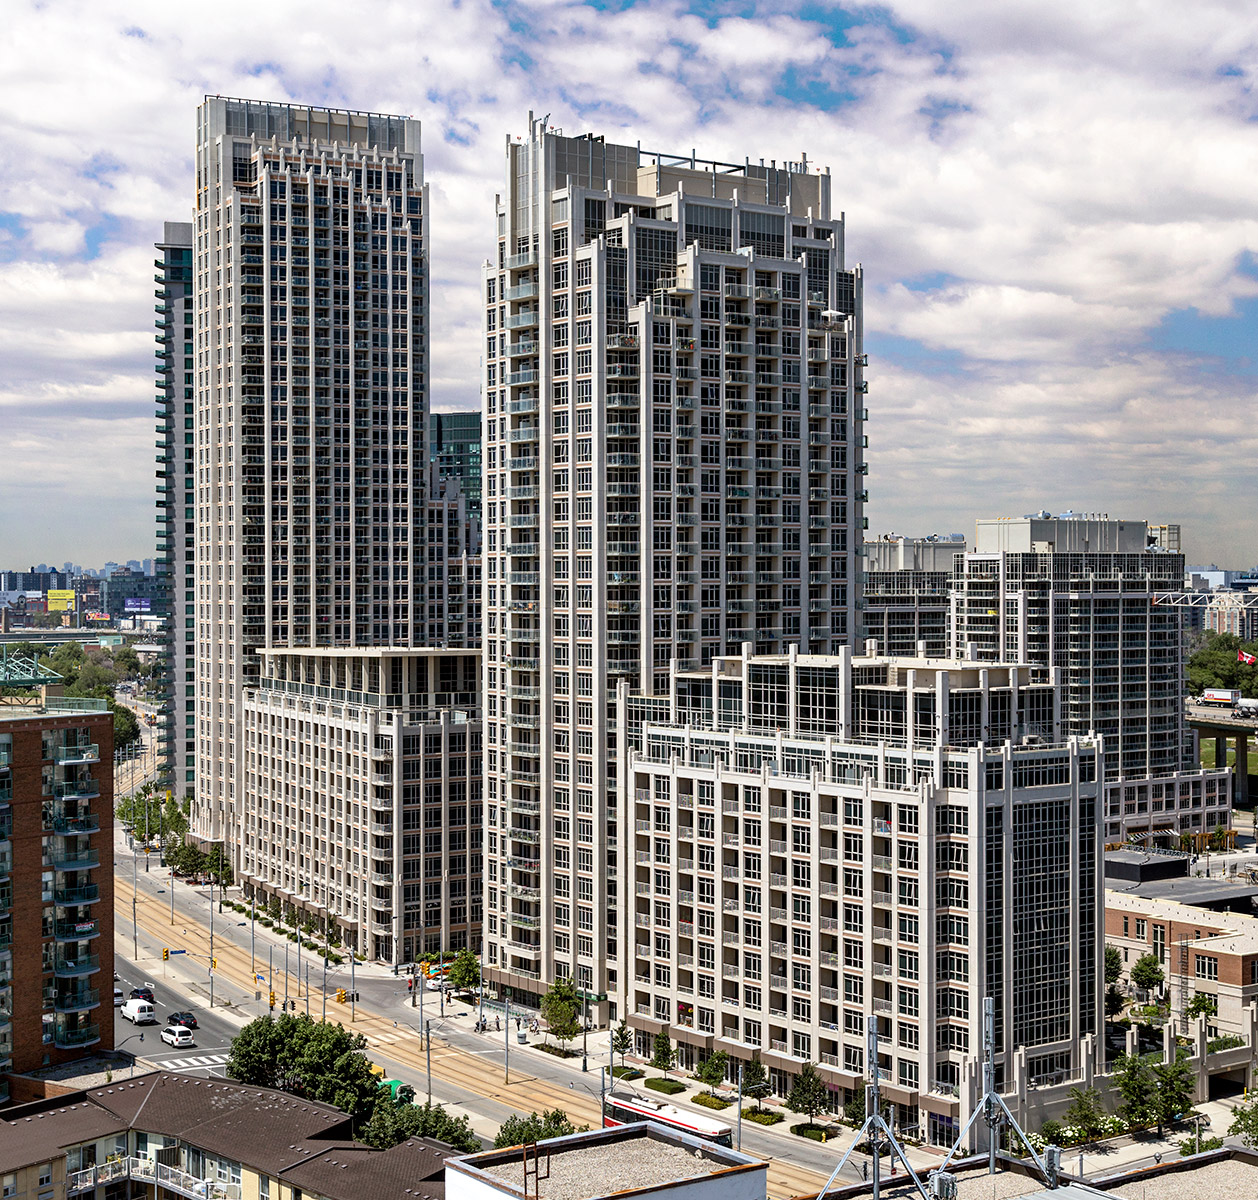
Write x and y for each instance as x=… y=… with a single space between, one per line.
x=165 y=953
x=340 y=995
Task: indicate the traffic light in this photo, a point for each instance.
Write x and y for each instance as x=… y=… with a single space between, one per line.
x=165 y=953
x=340 y=995
x=214 y=963
x=272 y=1001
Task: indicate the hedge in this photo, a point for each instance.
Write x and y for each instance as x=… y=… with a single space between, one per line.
x=670 y=1087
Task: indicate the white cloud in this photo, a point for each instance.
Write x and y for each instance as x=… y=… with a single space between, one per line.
x=1073 y=171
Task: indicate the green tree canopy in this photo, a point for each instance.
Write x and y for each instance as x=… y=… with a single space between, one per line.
x=559 y=1010
x=464 y=973
x=755 y=1081
x=1202 y=1005
x=1245 y=1124
x=1217 y=664
x=808 y=1093
x=126 y=727
x=311 y=1059
x=1086 y=1112
x=1134 y=1081
x=518 y=1130
x=218 y=866
x=1174 y=1086
x=396 y=1118
x=663 y=1055
x=1146 y=972
x=1113 y=964
x=622 y=1041
x=712 y=1070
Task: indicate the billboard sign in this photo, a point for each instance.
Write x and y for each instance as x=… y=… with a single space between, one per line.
x=137 y=604
x=60 y=599
x=98 y=616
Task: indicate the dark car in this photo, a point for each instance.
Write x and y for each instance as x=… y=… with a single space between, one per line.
x=186 y=1019
x=142 y=993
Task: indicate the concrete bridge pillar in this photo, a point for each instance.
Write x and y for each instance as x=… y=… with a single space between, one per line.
x=1241 y=788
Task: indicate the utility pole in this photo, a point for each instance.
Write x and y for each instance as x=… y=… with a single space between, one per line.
x=307 y=989
x=325 y=968
x=428 y=1056
x=286 y=975
x=353 y=995
x=585 y=1029
x=740 y=1106
x=135 y=929
x=211 y=938
x=506 y=1029
x=253 y=912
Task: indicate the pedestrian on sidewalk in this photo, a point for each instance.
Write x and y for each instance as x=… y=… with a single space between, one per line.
x=497 y=1024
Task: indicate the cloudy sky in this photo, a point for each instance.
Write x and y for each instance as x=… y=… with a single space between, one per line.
x=1054 y=205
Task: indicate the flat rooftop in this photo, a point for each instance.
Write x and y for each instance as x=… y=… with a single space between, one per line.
x=1219 y=1180
x=622 y=1161
x=1190 y=890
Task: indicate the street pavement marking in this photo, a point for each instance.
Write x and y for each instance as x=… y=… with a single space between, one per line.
x=205 y=1060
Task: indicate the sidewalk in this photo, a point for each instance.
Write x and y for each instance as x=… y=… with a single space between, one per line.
x=598 y=1059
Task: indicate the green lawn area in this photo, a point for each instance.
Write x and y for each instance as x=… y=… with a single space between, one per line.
x=1207 y=753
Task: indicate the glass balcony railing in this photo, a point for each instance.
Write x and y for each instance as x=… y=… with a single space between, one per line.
x=78 y=1035
x=70 y=931
x=88 y=894
x=86 y=788
x=77 y=1000
x=73 y=860
x=70 y=968
x=83 y=753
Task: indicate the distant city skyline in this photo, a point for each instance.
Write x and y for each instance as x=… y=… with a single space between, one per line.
x=1054 y=320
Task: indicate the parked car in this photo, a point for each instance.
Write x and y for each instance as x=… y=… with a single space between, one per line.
x=177 y=1035
x=142 y=993
x=139 y=1012
x=186 y=1019
x=119 y=998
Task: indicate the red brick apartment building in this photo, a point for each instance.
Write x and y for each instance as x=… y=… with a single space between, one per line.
x=56 y=882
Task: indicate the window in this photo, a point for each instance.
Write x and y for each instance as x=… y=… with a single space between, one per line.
x=1207 y=966
x=45 y=1174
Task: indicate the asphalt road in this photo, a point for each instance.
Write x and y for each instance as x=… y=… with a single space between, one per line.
x=212 y=1038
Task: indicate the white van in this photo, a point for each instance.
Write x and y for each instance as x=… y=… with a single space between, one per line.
x=139 y=1012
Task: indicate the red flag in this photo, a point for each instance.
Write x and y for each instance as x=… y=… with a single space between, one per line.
x=1247 y=659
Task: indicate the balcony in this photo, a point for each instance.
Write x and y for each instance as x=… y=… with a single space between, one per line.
x=76 y=1000
x=72 y=968
x=73 y=860
x=74 y=931
x=79 y=1035
x=78 y=895
x=84 y=823
x=85 y=789
x=67 y=755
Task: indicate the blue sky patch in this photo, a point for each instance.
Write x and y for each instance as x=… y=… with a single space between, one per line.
x=905 y=352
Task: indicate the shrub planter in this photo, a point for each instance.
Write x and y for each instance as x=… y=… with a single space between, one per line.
x=670 y=1087
x=626 y=1073
x=557 y=1051
x=761 y=1118
x=709 y=1101
x=816 y=1133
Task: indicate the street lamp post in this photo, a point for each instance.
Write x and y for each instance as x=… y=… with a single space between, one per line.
x=124 y=1041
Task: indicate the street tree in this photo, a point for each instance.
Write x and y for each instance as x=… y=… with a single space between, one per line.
x=622 y=1042
x=712 y=1070
x=559 y=1011
x=519 y=1130
x=1086 y=1112
x=756 y=1081
x=1245 y=1124
x=663 y=1055
x=1134 y=1081
x=464 y=973
x=808 y=1093
x=397 y=1117
x=311 y=1059
x=1173 y=1090
x=1113 y=964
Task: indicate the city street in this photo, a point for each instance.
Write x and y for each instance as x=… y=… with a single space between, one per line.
x=468 y=1069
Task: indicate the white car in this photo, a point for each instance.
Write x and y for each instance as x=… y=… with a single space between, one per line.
x=177 y=1035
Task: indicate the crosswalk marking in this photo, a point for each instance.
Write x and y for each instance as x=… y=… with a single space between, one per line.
x=205 y=1060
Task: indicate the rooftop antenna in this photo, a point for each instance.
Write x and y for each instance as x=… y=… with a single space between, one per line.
x=875 y=1126
x=996 y=1112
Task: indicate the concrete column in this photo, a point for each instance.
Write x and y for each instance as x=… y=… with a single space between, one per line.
x=1220 y=751
x=1241 y=791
